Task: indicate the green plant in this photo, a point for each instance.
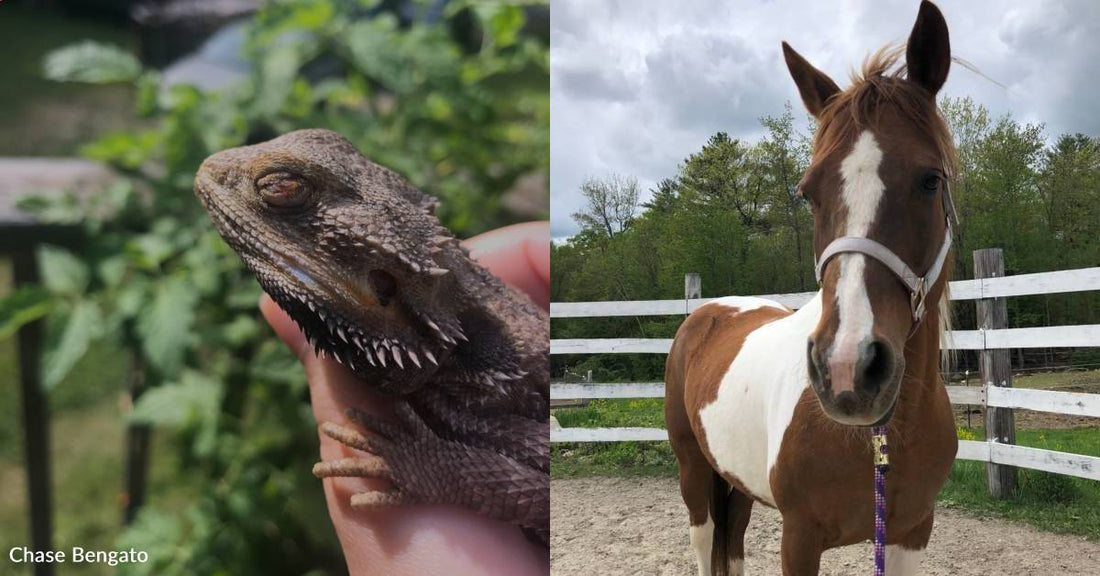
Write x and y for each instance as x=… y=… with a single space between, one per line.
x=460 y=119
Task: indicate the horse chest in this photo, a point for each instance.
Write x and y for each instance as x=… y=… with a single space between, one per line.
x=744 y=425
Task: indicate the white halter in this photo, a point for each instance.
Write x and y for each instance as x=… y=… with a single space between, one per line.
x=918 y=286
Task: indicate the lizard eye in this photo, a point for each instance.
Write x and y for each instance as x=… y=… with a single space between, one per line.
x=282 y=189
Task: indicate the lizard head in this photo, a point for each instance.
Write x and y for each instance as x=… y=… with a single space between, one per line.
x=347 y=248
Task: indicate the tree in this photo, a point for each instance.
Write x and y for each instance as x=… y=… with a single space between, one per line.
x=665 y=196
x=611 y=204
x=785 y=155
x=1068 y=187
x=722 y=175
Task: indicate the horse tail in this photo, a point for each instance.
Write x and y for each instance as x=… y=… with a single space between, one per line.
x=720 y=514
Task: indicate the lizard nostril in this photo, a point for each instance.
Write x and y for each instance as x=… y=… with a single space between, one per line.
x=383 y=284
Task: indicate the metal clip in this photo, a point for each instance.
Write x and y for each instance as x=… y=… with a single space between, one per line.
x=882 y=451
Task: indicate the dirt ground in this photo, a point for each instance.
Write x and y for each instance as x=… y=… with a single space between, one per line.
x=638 y=526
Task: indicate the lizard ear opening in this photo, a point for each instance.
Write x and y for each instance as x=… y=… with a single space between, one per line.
x=383 y=284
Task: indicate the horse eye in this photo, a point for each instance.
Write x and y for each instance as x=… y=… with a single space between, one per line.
x=930 y=182
x=282 y=189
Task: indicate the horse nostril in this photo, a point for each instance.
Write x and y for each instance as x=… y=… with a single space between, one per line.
x=875 y=367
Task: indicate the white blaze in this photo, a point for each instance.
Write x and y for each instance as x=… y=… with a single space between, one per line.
x=862 y=193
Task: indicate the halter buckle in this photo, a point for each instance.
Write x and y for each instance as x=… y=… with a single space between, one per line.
x=882 y=451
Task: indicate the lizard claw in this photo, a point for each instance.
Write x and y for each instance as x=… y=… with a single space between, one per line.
x=369 y=466
x=378 y=499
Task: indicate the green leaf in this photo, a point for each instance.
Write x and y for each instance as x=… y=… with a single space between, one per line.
x=61 y=209
x=275 y=363
x=148 y=93
x=62 y=272
x=241 y=330
x=165 y=324
x=128 y=150
x=505 y=22
x=21 y=307
x=150 y=250
x=112 y=270
x=158 y=534
x=91 y=62
x=280 y=68
x=83 y=324
x=194 y=400
x=131 y=297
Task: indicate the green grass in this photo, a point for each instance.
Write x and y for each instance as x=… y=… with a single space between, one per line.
x=1088 y=380
x=1050 y=502
x=615 y=458
x=1047 y=501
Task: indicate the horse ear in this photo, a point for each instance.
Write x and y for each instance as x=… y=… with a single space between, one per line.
x=813 y=85
x=928 y=55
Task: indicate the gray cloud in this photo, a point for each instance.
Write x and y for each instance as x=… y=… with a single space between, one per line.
x=636 y=86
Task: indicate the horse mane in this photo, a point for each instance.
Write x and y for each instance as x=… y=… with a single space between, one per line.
x=883 y=81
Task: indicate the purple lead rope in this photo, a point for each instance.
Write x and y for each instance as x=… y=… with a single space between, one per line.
x=882 y=464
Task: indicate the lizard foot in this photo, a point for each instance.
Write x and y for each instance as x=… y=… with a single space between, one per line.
x=424 y=468
x=403 y=453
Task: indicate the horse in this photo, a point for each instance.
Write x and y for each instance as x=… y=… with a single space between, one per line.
x=773 y=406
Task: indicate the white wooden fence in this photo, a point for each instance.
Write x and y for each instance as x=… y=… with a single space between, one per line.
x=988 y=395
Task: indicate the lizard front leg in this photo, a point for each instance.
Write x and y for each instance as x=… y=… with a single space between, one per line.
x=426 y=469
x=523 y=439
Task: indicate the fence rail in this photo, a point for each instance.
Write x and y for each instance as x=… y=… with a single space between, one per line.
x=1005 y=339
x=991 y=396
x=1058 y=282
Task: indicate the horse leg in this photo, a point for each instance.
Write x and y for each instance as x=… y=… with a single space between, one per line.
x=903 y=558
x=740 y=510
x=801 y=548
x=696 y=486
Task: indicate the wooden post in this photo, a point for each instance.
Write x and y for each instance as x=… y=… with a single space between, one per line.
x=693 y=288
x=36 y=429
x=137 y=450
x=996 y=370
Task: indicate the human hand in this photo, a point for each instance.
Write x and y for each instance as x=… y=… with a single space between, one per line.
x=421 y=540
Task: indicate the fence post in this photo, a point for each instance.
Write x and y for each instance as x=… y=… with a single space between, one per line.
x=693 y=288
x=138 y=437
x=36 y=424
x=996 y=370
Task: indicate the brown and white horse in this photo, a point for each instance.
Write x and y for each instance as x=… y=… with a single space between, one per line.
x=773 y=406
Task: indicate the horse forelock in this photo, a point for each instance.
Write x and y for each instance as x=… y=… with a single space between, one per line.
x=882 y=81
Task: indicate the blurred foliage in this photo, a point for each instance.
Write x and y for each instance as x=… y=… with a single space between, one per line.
x=731 y=214
x=459 y=106
x=41 y=117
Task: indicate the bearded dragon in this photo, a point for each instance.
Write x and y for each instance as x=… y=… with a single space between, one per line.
x=355 y=255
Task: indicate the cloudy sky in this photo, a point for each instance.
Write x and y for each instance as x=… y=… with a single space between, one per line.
x=637 y=85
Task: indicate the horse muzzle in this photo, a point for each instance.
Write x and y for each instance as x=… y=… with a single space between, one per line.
x=857 y=386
